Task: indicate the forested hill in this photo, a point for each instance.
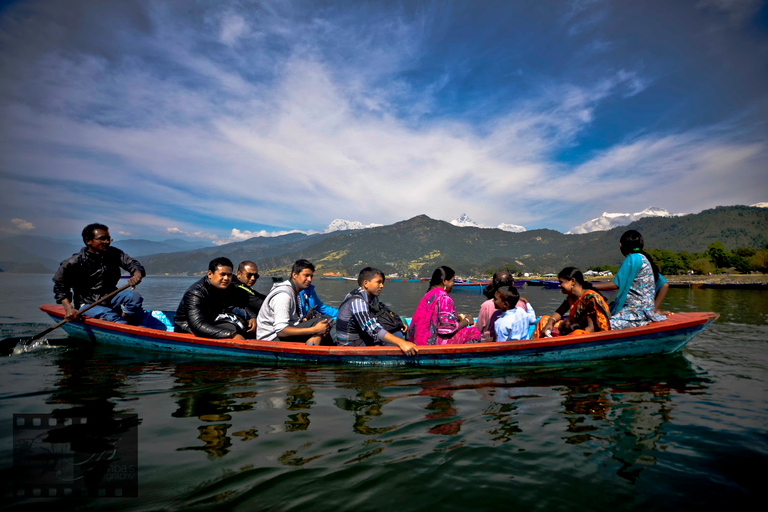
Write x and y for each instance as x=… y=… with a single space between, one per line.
x=418 y=245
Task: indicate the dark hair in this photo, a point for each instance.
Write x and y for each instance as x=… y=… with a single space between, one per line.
x=300 y=265
x=367 y=274
x=500 y=278
x=569 y=273
x=221 y=261
x=441 y=273
x=509 y=294
x=632 y=242
x=90 y=228
x=246 y=263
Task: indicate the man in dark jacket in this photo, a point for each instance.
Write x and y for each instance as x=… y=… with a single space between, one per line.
x=246 y=277
x=93 y=273
x=206 y=309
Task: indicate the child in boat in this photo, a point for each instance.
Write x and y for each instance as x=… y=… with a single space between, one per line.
x=488 y=312
x=355 y=323
x=516 y=315
x=587 y=310
x=641 y=287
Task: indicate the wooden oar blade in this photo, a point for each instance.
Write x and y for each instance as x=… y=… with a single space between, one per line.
x=11 y=343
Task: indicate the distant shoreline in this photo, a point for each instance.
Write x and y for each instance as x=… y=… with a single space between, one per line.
x=715 y=278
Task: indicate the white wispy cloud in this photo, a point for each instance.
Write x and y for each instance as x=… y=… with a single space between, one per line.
x=17 y=226
x=267 y=122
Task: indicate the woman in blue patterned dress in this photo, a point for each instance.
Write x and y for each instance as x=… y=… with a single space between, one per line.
x=637 y=280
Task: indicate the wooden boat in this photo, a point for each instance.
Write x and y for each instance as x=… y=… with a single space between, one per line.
x=668 y=336
x=475 y=287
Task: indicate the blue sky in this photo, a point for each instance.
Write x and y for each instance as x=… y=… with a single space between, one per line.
x=221 y=120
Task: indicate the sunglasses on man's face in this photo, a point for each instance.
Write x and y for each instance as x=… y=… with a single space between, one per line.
x=103 y=239
x=251 y=275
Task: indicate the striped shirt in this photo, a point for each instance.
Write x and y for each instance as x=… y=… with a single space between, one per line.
x=354 y=323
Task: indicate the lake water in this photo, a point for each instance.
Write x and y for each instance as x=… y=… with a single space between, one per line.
x=685 y=431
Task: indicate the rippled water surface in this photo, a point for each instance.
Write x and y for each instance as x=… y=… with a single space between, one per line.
x=686 y=431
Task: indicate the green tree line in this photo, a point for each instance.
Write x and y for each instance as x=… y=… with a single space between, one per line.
x=716 y=259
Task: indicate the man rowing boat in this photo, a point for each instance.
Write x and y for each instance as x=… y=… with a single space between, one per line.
x=92 y=273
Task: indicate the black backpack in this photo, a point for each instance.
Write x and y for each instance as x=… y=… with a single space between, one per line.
x=388 y=320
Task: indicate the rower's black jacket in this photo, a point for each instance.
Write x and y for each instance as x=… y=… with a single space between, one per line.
x=91 y=275
x=202 y=303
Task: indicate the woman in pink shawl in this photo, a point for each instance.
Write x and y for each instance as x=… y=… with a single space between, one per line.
x=435 y=321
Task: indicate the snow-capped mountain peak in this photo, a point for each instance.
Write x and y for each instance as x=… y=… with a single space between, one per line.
x=465 y=221
x=513 y=228
x=760 y=205
x=611 y=220
x=344 y=225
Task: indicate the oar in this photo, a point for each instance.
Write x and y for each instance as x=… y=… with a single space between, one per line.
x=7 y=342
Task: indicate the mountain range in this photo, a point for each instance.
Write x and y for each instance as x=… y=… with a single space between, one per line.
x=611 y=220
x=416 y=246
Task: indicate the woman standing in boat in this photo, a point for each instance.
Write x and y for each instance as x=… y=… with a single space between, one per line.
x=641 y=287
x=435 y=321
x=586 y=308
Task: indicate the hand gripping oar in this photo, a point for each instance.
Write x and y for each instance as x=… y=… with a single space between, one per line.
x=7 y=341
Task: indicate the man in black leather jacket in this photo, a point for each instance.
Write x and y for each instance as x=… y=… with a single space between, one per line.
x=92 y=273
x=206 y=308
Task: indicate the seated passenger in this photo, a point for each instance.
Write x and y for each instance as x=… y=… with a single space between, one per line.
x=207 y=307
x=308 y=299
x=435 y=321
x=279 y=317
x=488 y=312
x=245 y=279
x=356 y=326
x=516 y=315
x=586 y=308
x=641 y=287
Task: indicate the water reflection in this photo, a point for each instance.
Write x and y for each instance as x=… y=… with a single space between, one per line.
x=616 y=409
x=203 y=392
x=300 y=397
x=83 y=445
x=443 y=407
x=623 y=407
x=368 y=401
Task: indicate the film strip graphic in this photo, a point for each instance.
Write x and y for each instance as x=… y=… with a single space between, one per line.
x=57 y=456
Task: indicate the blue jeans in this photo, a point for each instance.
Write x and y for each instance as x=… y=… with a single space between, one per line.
x=127 y=301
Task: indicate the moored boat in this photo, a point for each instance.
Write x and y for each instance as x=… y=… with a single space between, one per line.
x=478 y=287
x=668 y=336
